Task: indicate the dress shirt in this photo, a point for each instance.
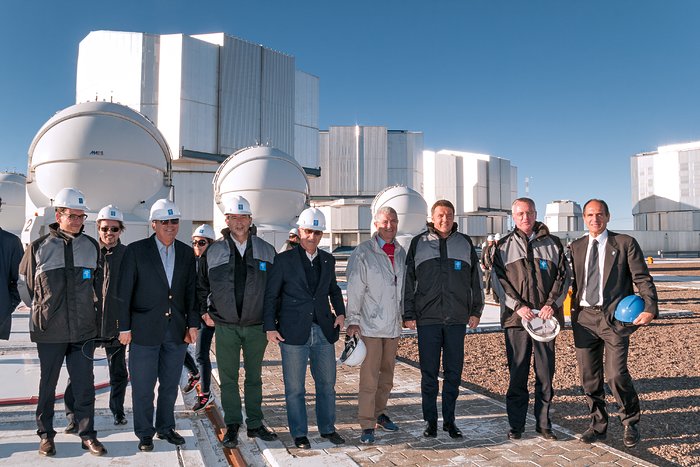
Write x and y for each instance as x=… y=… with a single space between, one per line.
x=240 y=245
x=167 y=256
x=602 y=241
x=311 y=257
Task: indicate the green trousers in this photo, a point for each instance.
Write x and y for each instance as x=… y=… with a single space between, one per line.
x=230 y=339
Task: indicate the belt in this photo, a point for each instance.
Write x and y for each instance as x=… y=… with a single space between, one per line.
x=596 y=308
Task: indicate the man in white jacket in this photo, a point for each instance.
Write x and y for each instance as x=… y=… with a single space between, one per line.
x=374 y=312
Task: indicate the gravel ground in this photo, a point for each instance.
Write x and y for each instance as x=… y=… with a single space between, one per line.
x=664 y=362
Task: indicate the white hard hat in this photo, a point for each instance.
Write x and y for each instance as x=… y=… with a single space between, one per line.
x=489 y=238
x=497 y=237
x=111 y=213
x=294 y=231
x=237 y=205
x=205 y=231
x=312 y=218
x=164 y=209
x=542 y=330
x=70 y=198
x=354 y=352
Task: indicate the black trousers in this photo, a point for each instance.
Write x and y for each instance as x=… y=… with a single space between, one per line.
x=435 y=340
x=519 y=350
x=593 y=337
x=118 y=381
x=79 y=364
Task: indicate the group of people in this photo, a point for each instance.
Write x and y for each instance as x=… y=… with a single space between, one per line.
x=157 y=295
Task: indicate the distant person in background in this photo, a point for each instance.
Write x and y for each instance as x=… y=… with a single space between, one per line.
x=202 y=237
x=487 y=262
x=59 y=278
x=110 y=225
x=232 y=276
x=159 y=317
x=10 y=255
x=292 y=241
x=375 y=275
x=298 y=317
x=530 y=273
x=607 y=267
x=443 y=294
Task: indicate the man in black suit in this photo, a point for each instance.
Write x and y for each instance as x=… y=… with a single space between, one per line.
x=606 y=265
x=10 y=255
x=298 y=317
x=158 y=318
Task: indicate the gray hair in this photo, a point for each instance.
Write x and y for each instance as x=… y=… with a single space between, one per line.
x=529 y=201
x=384 y=210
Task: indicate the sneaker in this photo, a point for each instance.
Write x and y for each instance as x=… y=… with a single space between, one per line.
x=386 y=424
x=191 y=384
x=367 y=436
x=203 y=400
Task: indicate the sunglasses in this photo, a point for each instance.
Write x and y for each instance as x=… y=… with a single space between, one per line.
x=315 y=233
x=110 y=229
x=199 y=242
x=75 y=217
x=169 y=221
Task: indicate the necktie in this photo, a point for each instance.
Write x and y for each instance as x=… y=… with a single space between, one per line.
x=593 y=276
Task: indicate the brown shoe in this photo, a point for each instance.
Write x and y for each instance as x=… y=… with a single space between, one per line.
x=95 y=447
x=47 y=447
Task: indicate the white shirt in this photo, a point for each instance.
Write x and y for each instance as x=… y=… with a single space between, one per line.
x=311 y=257
x=167 y=256
x=240 y=246
x=602 y=241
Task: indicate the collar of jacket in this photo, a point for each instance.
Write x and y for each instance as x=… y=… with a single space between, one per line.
x=431 y=229
x=56 y=230
x=539 y=229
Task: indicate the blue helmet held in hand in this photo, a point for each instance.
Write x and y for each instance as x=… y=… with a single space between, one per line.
x=629 y=308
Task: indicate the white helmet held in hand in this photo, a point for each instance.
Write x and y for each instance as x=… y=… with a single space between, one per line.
x=164 y=209
x=312 y=218
x=70 y=198
x=542 y=330
x=205 y=231
x=354 y=352
x=111 y=213
x=237 y=205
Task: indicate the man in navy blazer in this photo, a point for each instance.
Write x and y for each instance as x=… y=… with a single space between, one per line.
x=298 y=317
x=607 y=267
x=158 y=318
x=10 y=255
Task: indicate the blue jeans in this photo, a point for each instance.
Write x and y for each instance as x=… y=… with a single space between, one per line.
x=321 y=353
x=203 y=349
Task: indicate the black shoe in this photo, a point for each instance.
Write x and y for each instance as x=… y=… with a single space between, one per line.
x=452 y=429
x=47 y=447
x=146 y=443
x=231 y=437
x=334 y=438
x=430 y=430
x=71 y=428
x=631 y=436
x=546 y=434
x=263 y=433
x=94 y=446
x=172 y=437
x=119 y=419
x=514 y=434
x=302 y=442
x=591 y=436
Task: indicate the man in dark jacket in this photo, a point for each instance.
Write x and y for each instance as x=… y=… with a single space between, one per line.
x=59 y=277
x=110 y=224
x=607 y=267
x=530 y=273
x=298 y=317
x=10 y=256
x=158 y=317
x=443 y=293
x=232 y=276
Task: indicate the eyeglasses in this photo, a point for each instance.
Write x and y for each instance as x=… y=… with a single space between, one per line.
x=110 y=229
x=169 y=221
x=199 y=242
x=315 y=233
x=75 y=217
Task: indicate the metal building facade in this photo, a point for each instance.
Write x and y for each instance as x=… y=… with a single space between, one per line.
x=306 y=115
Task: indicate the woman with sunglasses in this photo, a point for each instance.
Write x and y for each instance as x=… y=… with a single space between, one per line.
x=202 y=237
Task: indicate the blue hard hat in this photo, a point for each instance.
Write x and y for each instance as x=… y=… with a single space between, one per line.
x=629 y=308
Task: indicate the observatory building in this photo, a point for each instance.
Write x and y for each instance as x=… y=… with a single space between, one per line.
x=666 y=188
x=564 y=216
x=12 y=186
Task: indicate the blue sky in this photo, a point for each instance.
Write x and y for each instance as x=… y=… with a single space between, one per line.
x=567 y=90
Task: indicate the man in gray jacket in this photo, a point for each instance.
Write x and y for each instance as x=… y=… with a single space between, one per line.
x=375 y=294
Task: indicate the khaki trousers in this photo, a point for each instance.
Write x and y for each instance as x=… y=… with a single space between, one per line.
x=376 y=379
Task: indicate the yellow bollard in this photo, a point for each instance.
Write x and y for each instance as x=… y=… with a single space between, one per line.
x=650 y=260
x=567 y=303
